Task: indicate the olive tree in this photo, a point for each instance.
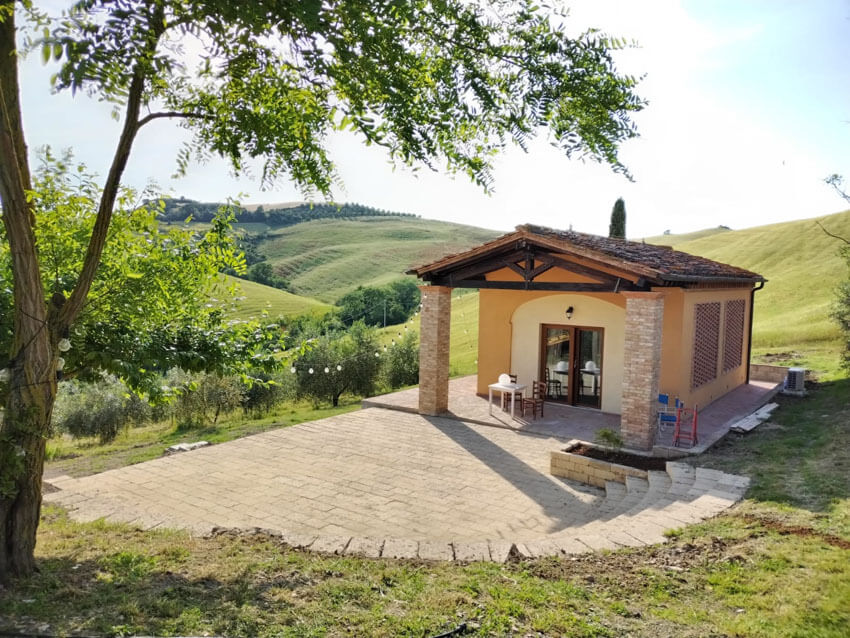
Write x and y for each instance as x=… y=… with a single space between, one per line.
x=445 y=83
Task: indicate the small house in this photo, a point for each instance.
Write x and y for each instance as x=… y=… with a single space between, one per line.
x=607 y=323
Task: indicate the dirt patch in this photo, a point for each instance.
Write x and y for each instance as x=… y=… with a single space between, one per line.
x=627 y=570
x=777 y=357
x=797 y=530
x=620 y=458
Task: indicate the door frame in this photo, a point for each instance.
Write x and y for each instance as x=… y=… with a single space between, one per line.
x=573 y=364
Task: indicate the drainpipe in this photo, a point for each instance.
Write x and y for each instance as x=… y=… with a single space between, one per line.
x=752 y=311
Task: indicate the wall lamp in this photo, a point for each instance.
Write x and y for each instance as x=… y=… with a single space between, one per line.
x=570 y=312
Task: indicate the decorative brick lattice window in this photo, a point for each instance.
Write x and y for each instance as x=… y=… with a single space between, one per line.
x=733 y=334
x=706 y=343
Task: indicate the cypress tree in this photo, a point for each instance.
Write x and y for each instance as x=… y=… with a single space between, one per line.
x=618 y=220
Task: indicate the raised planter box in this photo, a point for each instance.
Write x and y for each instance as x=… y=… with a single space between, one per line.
x=584 y=469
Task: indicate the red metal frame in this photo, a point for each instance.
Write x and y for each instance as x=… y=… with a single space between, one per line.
x=684 y=435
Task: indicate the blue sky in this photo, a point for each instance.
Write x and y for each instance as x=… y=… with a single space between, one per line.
x=749 y=109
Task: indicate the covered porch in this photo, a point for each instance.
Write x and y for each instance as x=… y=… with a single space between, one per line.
x=569 y=422
x=606 y=324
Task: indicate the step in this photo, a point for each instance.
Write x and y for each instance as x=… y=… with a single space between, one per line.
x=615 y=492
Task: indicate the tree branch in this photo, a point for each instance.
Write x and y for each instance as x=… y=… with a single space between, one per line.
x=836 y=182
x=74 y=305
x=846 y=241
x=170 y=114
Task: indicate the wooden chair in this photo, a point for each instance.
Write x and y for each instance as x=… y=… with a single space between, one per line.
x=537 y=398
x=553 y=386
x=506 y=398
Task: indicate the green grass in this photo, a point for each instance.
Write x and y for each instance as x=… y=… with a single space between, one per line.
x=79 y=457
x=778 y=565
x=802 y=266
x=253 y=299
x=327 y=258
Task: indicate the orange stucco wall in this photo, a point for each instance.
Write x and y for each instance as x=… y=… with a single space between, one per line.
x=678 y=345
x=496 y=327
x=500 y=350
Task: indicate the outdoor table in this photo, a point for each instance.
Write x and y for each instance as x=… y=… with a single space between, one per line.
x=513 y=388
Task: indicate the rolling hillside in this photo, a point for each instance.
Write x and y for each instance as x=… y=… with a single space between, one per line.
x=326 y=258
x=802 y=266
x=323 y=259
x=253 y=298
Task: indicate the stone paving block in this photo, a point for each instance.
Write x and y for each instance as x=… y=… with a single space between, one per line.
x=435 y=550
x=622 y=537
x=330 y=544
x=596 y=542
x=470 y=552
x=298 y=541
x=569 y=546
x=400 y=548
x=706 y=474
x=500 y=551
x=539 y=548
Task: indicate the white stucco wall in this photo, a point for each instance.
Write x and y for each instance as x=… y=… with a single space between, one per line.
x=589 y=312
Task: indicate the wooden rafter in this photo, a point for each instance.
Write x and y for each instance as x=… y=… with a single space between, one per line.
x=529 y=262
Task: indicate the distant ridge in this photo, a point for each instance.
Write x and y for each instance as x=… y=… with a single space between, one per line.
x=275 y=215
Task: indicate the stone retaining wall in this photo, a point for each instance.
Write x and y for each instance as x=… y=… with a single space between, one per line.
x=765 y=372
x=587 y=470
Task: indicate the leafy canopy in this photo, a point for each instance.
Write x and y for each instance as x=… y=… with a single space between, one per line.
x=428 y=80
x=149 y=307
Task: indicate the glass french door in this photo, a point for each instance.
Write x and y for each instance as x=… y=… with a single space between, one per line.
x=571 y=364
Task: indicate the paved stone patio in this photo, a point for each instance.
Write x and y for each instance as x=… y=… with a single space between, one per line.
x=569 y=422
x=380 y=482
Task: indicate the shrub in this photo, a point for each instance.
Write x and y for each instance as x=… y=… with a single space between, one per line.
x=100 y=409
x=401 y=364
x=266 y=393
x=202 y=398
x=353 y=351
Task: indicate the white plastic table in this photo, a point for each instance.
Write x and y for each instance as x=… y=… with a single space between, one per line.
x=513 y=388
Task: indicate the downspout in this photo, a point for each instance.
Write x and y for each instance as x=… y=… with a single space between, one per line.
x=750 y=340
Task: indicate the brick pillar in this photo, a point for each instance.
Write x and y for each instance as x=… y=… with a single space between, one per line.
x=434 y=349
x=642 y=362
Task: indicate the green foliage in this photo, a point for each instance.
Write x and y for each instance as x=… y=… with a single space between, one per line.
x=100 y=409
x=147 y=311
x=384 y=306
x=609 y=438
x=202 y=398
x=263 y=273
x=617 y=227
x=841 y=310
x=269 y=391
x=401 y=362
x=337 y=363
x=275 y=79
x=177 y=210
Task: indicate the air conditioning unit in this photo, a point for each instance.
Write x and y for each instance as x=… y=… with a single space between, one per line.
x=795 y=382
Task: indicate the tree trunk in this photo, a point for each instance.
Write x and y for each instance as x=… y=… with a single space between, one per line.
x=22 y=439
x=37 y=329
x=31 y=391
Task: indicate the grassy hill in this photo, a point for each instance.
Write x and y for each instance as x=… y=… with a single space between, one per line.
x=802 y=266
x=669 y=240
x=254 y=298
x=328 y=257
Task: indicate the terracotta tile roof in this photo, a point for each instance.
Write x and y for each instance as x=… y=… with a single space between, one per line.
x=661 y=264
